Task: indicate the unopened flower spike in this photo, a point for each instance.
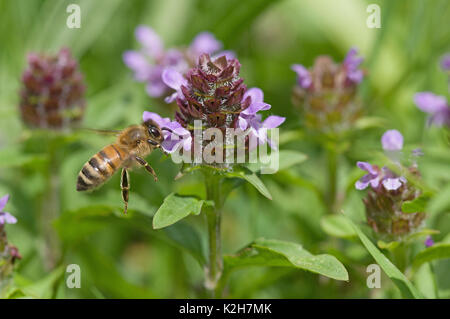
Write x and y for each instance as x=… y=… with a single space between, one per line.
x=52 y=93
x=214 y=94
x=326 y=92
x=387 y=192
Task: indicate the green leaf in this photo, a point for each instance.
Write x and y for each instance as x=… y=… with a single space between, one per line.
x=287 y=159
x=337 y=226
x=437 y=251
x=252 y=178
x=417 y=205
x=388 y=246
x=174 y=208
x=16 y=157
x=422 y=233
x=186 y=237
x=398 y=278
x=277 y=253
x=44 y=287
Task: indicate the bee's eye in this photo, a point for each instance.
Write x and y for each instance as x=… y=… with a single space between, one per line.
x=154 y=132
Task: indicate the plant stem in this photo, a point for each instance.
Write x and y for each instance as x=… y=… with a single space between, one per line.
x=214 y=269
x=50 y=210
x=332 y=157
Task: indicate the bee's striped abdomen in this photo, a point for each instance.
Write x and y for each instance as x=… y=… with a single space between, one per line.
x=100 y=167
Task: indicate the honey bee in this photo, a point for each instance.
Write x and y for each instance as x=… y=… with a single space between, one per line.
x=132 y=145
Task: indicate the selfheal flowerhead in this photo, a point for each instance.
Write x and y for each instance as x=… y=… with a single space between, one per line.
x=387 y=193
x=213 y=93
x=5 y=217
x=52 y=93
x=435 y=105
x=326 y=93
x=392 y=140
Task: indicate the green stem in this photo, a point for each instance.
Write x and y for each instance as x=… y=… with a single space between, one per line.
x=401 y=257
x=435 y=282
x=50 y=210
x=332 y=157
x=214 y=268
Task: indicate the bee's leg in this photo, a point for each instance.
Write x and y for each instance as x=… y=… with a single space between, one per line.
x=125 y=186
x=149 y=169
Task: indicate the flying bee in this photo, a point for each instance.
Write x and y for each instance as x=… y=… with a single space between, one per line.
x=133 y=144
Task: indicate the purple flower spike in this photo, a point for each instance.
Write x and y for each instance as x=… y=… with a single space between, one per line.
x=392 y=140
x=429 y=241
x=372 y=178
x=303 y=75
x=445 y=62
x=5 y=217
x=351 y=63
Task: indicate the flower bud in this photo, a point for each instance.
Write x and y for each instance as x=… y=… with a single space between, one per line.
x=52 y=93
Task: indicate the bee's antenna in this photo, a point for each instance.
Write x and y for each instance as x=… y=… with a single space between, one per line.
x=169 y=130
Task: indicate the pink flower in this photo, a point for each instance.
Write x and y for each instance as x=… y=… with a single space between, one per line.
x=5 y=217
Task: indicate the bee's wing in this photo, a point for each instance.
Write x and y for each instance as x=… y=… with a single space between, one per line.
x=103 y=132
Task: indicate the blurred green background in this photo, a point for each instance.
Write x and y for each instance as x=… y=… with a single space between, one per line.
x=122 y=256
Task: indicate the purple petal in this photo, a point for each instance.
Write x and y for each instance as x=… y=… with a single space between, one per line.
x=173 y=79
x=441 y=118
x=355 y=76
x=242 y=123
x=392 y=184
x=429 y=102
x=255 y=108
x=367 y=167
x=445 y=62
x=205 y=42
x=303 y=75
x=352 y=61
x=360 y=185
x=162 y=122
x=7 y=218
x=273 y=121
x=375 y=181
x=171 y=98
x=429 y=241
x=150 y=40
x=392 y=140
x=170 y=145
x=256 y=95
x=3 y=202
x=138 y=63
x=155 y=89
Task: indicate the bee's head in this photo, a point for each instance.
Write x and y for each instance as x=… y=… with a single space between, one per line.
x=154 y=133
